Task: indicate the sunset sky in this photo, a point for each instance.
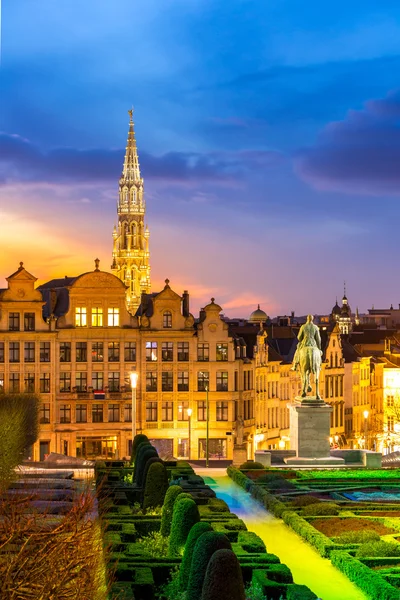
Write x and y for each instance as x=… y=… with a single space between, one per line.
x=268 y=136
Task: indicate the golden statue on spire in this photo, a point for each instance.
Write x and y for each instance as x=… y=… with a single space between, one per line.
x=130 y=113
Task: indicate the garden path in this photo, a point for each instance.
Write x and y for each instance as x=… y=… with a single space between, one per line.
x=307 y=566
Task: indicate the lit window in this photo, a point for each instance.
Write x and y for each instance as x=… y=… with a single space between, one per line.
x=80 y=316
x=222 y=352
x=113 y=317
x=167 y=319
x=151 y=351
x=97 y=317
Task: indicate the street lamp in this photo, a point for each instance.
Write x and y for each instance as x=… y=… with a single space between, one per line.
x=189 y=413
x=366 y=413
x=207 y=424
x=134 y=378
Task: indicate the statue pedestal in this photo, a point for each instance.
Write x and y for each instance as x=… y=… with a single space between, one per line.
x=310 y=421
x=239 y=454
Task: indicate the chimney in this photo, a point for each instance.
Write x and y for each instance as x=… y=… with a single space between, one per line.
x=144 y=302
x=185 y=303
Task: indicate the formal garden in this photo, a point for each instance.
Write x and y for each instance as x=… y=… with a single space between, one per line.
x=169 y=537
x=351 y=517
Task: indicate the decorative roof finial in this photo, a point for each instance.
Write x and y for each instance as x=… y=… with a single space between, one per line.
x=96 y=264
x=21 y=265
x=212 y=300
x=166 y=282
x=130 y=113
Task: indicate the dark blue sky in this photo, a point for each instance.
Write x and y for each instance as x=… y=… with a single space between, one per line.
x=269 y=140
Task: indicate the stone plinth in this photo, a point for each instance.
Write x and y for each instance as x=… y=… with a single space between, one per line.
x=310 y=421
x=239 y=455
x=263 y=457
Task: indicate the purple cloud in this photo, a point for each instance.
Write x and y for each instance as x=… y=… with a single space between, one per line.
x=20 y=160
x=360 y=154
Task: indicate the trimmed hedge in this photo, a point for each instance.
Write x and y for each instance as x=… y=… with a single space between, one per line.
x=259 y=493
x=206 y=545
x=366 y=579
x=223 y=579
x=184 y=572
x=140 y=438
x=168 y=506
x=185 y=515
x=145 y=452
x=156 y=485
x=320 y=541
x=317 y=509
x=250 y=464
x=378 y=548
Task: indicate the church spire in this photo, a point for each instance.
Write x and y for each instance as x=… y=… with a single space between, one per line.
x=131 y=237
x=131 y=170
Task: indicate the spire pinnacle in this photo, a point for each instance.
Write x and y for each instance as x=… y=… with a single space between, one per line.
x=131 y=171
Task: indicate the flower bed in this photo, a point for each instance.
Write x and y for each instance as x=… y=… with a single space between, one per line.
x=334 y=526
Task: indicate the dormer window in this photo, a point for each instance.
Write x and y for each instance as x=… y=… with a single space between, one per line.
x=167 y=320
x=80 y=316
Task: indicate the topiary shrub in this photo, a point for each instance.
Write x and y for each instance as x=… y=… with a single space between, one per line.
x=223 y=580
x=378 y=549
x=145 y=452
x=184 y=572
x=206 y=545
x=137 y=440
x=185 y=515
x=357 y=537
x=168 y=506
x=156 y=485
x=321 y=509
x=301 y=501
x=250 y=464
x=280 y=484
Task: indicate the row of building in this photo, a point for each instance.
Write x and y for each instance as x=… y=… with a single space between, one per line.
x=76 y=341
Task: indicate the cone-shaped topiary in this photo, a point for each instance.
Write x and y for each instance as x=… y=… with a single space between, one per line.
x=156 y=485
x=224 y=579
x=206 y=545
x=185 y=515
x=197 y=530
x=137 y=440
x=141 y=459
x=166 y=519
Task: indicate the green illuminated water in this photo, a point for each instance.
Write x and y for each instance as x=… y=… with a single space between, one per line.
x=307 y=566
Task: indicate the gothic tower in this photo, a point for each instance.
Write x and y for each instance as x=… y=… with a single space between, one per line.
x=131 y=238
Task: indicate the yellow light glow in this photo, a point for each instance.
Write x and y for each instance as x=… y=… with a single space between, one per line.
x=134 y=377
x=366 y=413
x=281 y=444
x=189 y=412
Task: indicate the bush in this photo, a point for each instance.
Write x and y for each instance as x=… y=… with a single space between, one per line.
x=206 y=545
x=357 y=537
x=185 y=515
x=145 y=452
x=250 y=464
x=378 y=549
x=320 y=541
x=172 y=492
x=223 y=579
x=305 y=500
x=366 y=579
x=140 y=438
x=322 y=509
x=280 y=484
x=155 y=544
x=19 y=429
x=171 y=590
x=156 y=485
x=197 y=530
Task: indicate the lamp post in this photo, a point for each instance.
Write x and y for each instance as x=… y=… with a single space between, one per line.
x=134 y=377
x=189 y=412
x=366 y=413
x=207 y=424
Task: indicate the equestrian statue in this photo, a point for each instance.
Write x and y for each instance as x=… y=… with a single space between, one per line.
x=308 y=356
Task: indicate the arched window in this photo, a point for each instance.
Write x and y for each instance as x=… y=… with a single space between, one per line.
x=167 y=319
